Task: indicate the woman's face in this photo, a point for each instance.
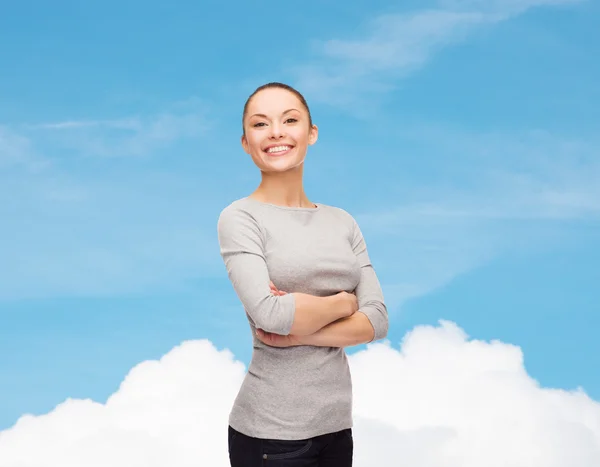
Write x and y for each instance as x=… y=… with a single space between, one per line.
x=278 y=132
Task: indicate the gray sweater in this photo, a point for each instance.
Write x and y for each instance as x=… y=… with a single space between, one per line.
x=303 y=391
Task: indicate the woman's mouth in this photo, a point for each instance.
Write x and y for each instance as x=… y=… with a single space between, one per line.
x=279 y=150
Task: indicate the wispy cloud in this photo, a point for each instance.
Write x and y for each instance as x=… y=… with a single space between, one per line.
x=94 y=235
x=75 y=228
x=501 y=9
x=516 y=193
x=125 y=124
x=104 y=235
x=17 y=150
x=509 y=183
x=396 y=45
x=137 y=135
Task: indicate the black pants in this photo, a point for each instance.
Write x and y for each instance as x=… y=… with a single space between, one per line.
x=330 y=450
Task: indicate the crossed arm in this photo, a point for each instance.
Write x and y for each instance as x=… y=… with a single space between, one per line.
x=345 y=332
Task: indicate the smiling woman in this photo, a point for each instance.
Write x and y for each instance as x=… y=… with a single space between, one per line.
x=303 y=275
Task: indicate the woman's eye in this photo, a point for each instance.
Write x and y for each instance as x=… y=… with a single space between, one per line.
x=256 y=125
x=291 y=120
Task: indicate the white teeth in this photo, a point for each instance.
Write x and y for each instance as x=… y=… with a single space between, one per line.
x=278 y=149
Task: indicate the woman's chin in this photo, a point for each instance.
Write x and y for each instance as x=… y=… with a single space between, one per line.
x=281 y=165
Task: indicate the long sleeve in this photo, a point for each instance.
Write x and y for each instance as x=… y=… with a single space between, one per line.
x=242 y=249
x=368 y=291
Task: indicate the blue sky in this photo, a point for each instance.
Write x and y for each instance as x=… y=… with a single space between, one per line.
x=462 y=135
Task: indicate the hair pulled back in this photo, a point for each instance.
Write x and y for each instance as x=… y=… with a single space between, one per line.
x=276 y=85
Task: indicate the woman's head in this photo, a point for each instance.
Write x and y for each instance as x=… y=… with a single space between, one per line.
x=277 y=127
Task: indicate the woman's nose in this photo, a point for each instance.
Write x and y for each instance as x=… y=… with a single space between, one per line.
x=276 y=131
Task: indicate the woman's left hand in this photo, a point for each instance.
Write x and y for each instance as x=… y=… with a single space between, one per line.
x=277 y=340
x=275 y=290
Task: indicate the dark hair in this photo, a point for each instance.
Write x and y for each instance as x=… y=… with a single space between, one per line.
x=280 y=86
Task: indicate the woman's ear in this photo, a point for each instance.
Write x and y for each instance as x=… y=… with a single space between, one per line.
x=244 y=142
x=313 y=134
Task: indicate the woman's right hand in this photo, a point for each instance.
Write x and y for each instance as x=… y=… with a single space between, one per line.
x=349 y=303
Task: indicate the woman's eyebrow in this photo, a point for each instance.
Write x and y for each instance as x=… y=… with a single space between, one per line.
x=264 y=116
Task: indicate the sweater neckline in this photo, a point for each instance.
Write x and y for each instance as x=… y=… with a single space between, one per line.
x=285 y=208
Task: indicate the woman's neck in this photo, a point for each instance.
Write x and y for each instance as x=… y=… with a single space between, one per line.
x=283 y=189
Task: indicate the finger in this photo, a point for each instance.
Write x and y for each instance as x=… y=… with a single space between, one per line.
x=268 y=339
x=264 y=336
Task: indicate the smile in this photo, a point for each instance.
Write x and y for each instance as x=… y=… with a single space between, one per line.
x=278 y=150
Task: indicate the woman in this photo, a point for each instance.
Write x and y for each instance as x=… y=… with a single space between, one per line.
x=303 y=275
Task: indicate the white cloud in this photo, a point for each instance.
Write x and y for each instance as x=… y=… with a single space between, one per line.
x=441 y=400
x=396 y=45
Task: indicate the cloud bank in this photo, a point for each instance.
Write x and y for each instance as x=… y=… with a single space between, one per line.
x=440 y=400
